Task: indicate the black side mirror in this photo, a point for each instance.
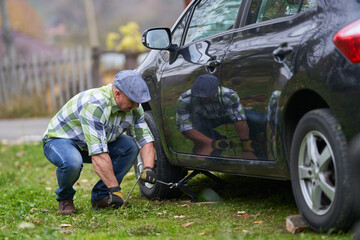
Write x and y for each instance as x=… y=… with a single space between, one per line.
x=157 y=38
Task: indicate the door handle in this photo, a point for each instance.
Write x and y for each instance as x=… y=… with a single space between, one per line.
x=212 y=64
x=281 y=52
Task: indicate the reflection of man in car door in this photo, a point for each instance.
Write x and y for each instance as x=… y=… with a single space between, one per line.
x=206 y=106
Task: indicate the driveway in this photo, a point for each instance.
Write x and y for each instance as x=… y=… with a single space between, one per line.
x=18 y=131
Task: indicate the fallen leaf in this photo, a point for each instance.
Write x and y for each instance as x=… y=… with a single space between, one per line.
x=258 y=222
x=45 y=210
x=48 y=188
x=65 y=225
x=202 y=234
x=246 y=215
x=3 y=227
x=245 y=231
x=33 y=209
x=179 y=216
x=23 y=225
x=241 y=212
x=256 y=215
x=187 y=224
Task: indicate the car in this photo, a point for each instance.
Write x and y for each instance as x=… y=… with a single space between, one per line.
x=264 y=88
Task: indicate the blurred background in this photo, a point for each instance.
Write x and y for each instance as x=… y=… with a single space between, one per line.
x=51 y=50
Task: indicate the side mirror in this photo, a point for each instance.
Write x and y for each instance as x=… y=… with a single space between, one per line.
x=157 y=38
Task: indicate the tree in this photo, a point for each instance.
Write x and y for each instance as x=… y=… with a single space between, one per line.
x=128 y=41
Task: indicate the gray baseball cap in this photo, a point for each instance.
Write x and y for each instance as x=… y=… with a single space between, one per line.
x=132 y=85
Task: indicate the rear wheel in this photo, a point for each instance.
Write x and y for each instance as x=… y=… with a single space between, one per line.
x=320 y=172
x=164 y=171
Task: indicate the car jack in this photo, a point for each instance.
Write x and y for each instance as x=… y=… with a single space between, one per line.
x=183 y=185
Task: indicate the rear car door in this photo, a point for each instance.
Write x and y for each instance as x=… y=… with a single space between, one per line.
x=260 y=61
x=201 y=51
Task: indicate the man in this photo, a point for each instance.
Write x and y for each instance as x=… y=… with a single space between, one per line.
x=89 y=129
x=206 y=106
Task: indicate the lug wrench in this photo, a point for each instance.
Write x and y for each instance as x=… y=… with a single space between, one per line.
x=137 y=180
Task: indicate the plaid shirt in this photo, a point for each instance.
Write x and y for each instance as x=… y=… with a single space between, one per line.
x=92 y=119
x=225 y=104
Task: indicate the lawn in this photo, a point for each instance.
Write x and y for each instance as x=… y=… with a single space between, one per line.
x=249 y=208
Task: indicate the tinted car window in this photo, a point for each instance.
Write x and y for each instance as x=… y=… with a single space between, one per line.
x=178 y=30
x=263 y=10
x=211 y=17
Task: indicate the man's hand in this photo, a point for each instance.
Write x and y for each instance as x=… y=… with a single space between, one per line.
x=116 y=198
x=148 y=175
x=246 y=144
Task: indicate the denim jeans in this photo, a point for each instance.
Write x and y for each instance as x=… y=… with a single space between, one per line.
x=69 y=159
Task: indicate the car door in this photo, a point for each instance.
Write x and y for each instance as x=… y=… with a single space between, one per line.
x=203 y=45
x=260 y=61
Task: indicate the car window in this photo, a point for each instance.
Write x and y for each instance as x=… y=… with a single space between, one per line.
x=308 y=4
x=211 y=17
x=264 y=10
x=179 y=29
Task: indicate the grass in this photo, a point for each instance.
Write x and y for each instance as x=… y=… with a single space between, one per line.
x=250 y=208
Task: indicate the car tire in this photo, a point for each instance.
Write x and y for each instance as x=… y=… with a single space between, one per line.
x=164 y=170
x=321 y=173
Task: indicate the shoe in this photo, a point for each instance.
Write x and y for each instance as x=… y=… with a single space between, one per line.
x=66 y=207
x=103 y=203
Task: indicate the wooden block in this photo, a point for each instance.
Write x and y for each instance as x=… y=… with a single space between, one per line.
x=295 y=224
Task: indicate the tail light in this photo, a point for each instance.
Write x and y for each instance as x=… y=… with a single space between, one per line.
x=347 y=40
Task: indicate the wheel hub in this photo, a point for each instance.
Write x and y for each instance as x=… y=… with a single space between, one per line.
x=316 y=172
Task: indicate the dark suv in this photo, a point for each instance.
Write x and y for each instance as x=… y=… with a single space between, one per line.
x=266 y=88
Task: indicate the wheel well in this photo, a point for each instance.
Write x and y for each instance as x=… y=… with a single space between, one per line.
x=299 y=104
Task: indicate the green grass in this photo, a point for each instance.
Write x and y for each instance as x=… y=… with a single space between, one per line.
x=250 y=208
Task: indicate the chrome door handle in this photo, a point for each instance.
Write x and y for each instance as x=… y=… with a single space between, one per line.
x=212 y=64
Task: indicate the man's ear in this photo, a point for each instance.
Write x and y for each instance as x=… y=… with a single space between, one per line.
x=117 y=92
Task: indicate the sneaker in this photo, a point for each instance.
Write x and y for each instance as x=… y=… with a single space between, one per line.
x=66 y=207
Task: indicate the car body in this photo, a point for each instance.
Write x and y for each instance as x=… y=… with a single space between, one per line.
x=287 y=100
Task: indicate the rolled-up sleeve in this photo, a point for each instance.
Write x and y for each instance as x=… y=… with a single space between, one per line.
x=183 y=113
x=234 y=109
x=141 y=130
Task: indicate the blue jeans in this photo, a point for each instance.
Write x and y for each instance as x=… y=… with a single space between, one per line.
x=69 y=159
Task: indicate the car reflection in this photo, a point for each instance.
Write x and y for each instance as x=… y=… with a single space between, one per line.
x=206 y=106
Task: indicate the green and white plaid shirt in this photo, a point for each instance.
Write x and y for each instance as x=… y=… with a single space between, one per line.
x=92 y=119
x=225 y=104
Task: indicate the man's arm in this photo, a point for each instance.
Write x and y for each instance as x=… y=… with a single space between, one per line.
x=242 y=129
x=147 y=153
x=197 y=136
x=103 y=167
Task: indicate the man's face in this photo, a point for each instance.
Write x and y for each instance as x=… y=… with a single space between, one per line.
x=123 y=102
